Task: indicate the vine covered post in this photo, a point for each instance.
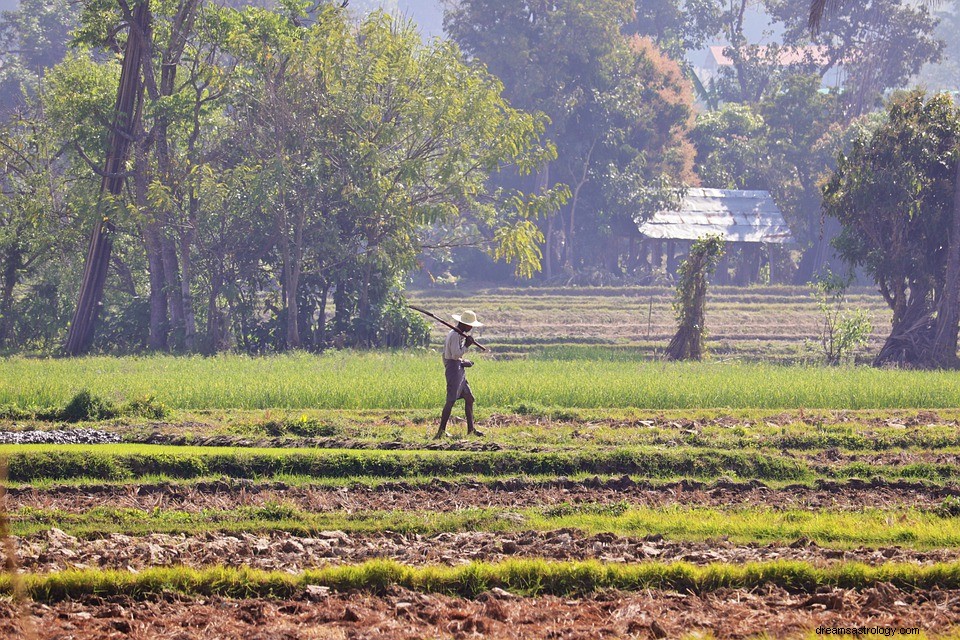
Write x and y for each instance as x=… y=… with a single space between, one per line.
x=690 y=304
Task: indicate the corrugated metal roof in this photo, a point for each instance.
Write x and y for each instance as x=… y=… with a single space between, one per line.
x=739 y=216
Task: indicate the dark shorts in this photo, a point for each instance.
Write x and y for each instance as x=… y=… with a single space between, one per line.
x=457 y=385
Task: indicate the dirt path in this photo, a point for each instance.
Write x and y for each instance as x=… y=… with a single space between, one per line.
x=56 y=551
x=402 y=614
x=516 y=493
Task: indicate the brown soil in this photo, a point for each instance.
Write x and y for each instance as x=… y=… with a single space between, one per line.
x=56 y=551
x=404 y=614
x=513 y=493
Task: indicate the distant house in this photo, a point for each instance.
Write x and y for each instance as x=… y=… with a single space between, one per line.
x=716 y=58
x=749 y=221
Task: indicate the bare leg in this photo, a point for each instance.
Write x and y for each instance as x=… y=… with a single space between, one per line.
x=469 y=412
x=444 y=418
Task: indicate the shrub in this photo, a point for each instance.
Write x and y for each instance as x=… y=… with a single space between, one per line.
x=839 y=333
x=949 y=508
x=86 y=406
x=146 y=407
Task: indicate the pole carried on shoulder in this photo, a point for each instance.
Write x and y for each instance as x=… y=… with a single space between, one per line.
x=444 y=322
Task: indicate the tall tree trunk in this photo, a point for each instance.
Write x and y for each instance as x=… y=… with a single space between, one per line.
x=213 y=312
x=10 y=268
x=158 y=295
x=129 y=93
x=171 y=275
x=292 y=252
x=321 y=342
x=363 y=304
x=581 y=180
x=548 y=254
x=157 y=336
x=948 y=307
x=187 y=240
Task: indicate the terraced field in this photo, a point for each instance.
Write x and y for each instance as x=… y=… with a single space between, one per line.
x=612 y=497
x=770 y=323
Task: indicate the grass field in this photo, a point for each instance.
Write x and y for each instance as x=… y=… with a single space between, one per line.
x=753 y=493
x=398 y=380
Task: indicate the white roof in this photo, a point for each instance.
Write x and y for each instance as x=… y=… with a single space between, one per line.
x=739 y=216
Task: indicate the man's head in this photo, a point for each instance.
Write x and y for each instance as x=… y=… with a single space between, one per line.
x=467 y=320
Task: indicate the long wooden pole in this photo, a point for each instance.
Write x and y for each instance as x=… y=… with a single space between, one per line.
x=129 y=94
x=442 y=321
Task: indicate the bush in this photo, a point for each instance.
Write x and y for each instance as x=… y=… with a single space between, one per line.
x=86 y=406
x=145 y=407
x=399 y=326
x=949 y=508
x=302 y=426
x=839 y=333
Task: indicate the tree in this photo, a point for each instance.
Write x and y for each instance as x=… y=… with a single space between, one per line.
x=893 y=195
x=362 y=139
x=786 y=144
x=33 y=38
x=944 y=349
x=89 y=298
x=677 y=26
x=694 y=272
x=619 y=114
x=881 y=44
x=732 y=148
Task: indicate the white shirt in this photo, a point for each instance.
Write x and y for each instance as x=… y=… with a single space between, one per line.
x=454 y=347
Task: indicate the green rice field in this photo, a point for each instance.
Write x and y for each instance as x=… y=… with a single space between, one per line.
x=756 y=494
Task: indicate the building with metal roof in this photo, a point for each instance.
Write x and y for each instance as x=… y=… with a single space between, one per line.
x=749 y=221
x=739 y=216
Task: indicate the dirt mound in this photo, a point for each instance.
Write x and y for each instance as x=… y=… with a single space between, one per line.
x=401 y=614
x=57 y=551
x=516 y=493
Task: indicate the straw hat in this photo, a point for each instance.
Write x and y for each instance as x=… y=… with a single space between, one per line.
x=468 y=317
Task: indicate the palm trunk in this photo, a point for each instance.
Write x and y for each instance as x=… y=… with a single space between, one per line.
x=129 y=92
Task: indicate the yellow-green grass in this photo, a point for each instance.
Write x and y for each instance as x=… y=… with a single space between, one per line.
x=870 y=527
x=130 y=461
x=412 y=380
x=39 y=463
x=560 y=428
x=525 y=577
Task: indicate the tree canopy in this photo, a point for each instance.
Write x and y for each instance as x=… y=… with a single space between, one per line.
x=893 y=194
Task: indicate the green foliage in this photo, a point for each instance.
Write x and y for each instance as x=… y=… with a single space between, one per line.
x=899 y=35
x=731 y=146
x=840 y=333
x=125 y=461
x=302 y=426
x=619 y=111
x=949 y=507
x=526 y=577
x=145 y=407
x=690 y=302
x=894 y=196
x=395 y=325
x=615 y=509
x=86 y=406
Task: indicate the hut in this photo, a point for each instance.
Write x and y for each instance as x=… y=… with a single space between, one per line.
x=749 y=221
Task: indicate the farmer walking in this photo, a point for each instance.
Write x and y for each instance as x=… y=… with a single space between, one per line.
x=454 y=348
